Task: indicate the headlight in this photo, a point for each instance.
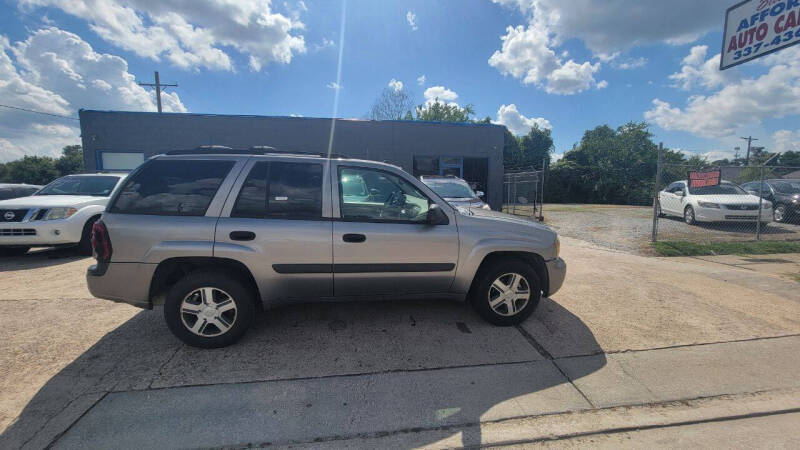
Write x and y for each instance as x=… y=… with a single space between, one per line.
x=708 y=205
x=485 y=206
x=767 y=205
x=59 y=213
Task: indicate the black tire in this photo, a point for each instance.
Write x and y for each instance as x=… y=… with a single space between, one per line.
x=482 y=292
x=85 y=245
x=689 y=217
x=779 y=214
x=230 y=284
x=13 y=251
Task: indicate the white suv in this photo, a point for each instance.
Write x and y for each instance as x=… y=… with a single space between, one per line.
x=61 y=213
x=725 y=202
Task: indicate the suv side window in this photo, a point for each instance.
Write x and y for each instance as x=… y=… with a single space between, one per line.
x=376 y=195
x=281 y=190
x=172 y=187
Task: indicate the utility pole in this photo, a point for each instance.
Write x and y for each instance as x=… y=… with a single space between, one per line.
x=158 y=87
x=749 y=140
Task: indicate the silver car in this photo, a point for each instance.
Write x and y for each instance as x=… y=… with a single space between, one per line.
x=215 y=237
x=455 y=191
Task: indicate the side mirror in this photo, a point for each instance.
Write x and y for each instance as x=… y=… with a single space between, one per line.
x=436 y=216
x=680 y=193
x=752 y=192
x=480 y=194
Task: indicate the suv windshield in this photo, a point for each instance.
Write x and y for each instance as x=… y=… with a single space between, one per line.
x=99 y=186
x=787 y=187
x=724 y=188
x=451 y=188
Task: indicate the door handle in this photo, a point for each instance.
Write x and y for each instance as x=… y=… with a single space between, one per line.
x=242 y=235
x=353 y=237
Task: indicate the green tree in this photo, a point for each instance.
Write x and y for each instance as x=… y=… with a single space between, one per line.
x=71 y=161
x=31 y=170
x=437 y=111
x=789 y=158
x=536 y=146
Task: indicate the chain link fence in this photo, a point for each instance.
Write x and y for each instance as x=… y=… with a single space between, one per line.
x=739 y=203
x=523 y=194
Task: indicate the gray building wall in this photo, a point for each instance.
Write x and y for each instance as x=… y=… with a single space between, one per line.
x=396 y=142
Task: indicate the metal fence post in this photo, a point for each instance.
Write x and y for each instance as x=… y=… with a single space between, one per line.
x=541 y=204
x=760 y=202
x=514 y=200
x=655 y=191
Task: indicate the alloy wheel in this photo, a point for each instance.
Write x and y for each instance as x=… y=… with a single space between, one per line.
x=779 y=213
x=208 y=312
x=509 y=294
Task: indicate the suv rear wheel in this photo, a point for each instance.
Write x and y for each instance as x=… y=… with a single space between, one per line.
x=507 y=292
x=209 y=309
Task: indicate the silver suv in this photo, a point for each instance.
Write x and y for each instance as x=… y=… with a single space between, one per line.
x=215 y=237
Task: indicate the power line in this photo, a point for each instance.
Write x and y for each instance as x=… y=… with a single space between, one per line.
x=38 y=112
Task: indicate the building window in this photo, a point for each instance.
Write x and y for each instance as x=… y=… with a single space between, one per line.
x=123 y=161
x=426 y=165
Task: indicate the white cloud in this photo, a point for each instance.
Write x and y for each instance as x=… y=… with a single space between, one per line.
x=602 y=84
x=441 y=93
x=326 y=43
x=745 y=102
x=697 y=71
x=631 y=63
x=786 y=140
x=606 y=28
x=190 y=34
x=412 y=20
x=526 y=54
x=396 y=85
x=421 y=80
x=334 y=85
x=57 y=72
x=517 y=123
x=618 y=25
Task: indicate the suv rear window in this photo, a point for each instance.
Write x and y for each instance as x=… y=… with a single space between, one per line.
x=281 y=190
x=172 y=188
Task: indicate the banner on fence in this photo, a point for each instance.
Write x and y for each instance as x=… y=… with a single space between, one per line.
x=698 y=179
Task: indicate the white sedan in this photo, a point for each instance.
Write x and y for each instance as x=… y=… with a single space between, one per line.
x=725 y=202
x=61 y=213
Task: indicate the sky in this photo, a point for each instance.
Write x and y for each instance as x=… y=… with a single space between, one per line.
x=567 y=66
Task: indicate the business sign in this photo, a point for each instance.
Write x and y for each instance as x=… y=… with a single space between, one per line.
x=706 y=178
x=754 y=28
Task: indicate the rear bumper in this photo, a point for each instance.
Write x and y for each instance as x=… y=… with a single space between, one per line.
x=556 y=272
x=122 y=282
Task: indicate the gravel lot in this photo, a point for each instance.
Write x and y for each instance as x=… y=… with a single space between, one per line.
x=629 y=228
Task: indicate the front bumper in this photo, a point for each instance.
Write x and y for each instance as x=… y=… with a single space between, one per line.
x=731 y=215
x=556 y=272
x=122 y=282
x=41 y=233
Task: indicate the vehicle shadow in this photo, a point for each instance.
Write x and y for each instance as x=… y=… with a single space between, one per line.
x=39 y=258
x=324 y=340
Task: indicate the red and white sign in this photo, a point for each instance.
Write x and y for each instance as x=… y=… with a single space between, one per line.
x=705 y=178
x=754 y=28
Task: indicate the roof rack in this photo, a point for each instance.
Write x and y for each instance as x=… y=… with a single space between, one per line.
x=254 y=150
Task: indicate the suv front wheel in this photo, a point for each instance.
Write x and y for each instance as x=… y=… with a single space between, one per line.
x=209 y=309
x=507 y=293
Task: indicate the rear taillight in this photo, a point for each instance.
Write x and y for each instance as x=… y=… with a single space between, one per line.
x=101 y=244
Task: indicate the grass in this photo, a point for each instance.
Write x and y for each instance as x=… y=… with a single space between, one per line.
x=675 y=248
x=796 y=277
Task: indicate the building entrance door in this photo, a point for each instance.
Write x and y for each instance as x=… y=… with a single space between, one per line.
x=449 y=165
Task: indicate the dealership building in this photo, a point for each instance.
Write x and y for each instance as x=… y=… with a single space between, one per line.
x=117 y=140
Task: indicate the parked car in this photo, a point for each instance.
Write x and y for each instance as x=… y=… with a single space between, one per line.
x=59 y=214
x=455 y=191
x=783 y=194
x=9 y=191
x=725 y=202
x=214 y=237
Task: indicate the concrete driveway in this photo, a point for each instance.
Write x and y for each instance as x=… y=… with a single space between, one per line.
x=629 y=341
